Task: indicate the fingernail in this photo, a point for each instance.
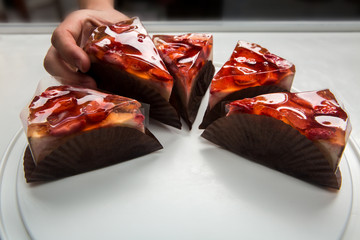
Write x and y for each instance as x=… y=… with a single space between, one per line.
x=79 y=65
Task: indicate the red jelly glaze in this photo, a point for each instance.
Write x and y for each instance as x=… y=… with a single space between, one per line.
x=317 y=115
x=64 y=110
x=251 y=65
x=128 y=46
x=187 y=53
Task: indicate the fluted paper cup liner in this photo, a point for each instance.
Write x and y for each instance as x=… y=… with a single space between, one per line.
x=217 y=112
x=119 y=82
x=271 y=142
x=89 y=151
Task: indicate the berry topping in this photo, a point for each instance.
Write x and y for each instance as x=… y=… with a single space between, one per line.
x=63 y=110
x=317 y=115
x=250 y=65
x=185 y=54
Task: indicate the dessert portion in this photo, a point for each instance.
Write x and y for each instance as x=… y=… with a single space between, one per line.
x=125 y=61
x=251 y=70
x=189 y=60
x=301 y=134
x=72 y=130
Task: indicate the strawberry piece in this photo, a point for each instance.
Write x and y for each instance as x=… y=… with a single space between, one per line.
x=120 y=28
x=267 y=111
x=319 y=133
x=326 y=94
x=139 y=118
x=97 y=116
x=53 y=92
x=244 y=106
x=327 y=108
x=160 y=74
x=64 y=104
x=296 y=119
x=302 y=102
x=94 y=112
x=244 y=80
x=68 y=127
x=55 y=119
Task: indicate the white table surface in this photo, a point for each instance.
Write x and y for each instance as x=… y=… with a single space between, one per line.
x=323 y=59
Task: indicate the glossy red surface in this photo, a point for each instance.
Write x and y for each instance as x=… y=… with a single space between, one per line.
x=317 y=114
x=127 y=46
x=251 y=65
x=63 y=110
x=186 y=54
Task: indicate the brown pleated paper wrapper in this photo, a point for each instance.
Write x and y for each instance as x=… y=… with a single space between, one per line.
x=119 y=82
x=271 y=142
x=89 y=151
x=202 y=82
x=217 y=111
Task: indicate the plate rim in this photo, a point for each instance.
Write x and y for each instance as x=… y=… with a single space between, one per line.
x=349 y=225
x=3 y=163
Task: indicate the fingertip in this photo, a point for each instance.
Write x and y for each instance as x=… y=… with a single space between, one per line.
x=83 y=63
x=79 y=64
x=55 y=65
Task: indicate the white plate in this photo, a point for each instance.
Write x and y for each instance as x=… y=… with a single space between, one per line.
x=189 y=190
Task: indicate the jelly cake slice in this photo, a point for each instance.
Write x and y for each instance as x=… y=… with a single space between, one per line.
x=72 y=130
x=251 y=70
x=125 y=61
x=301 y=134
x=189 y=59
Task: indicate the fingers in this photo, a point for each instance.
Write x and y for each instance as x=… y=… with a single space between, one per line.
x=65 y=39
x=55 y=65
x=69 y=37
x=66 y=55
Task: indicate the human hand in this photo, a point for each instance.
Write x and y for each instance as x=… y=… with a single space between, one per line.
x=66 y=56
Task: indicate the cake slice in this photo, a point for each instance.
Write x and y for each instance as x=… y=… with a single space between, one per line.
x=189 y=60
x=300 y=134
x=125 y=61
x=251 y=70
x=72 y=130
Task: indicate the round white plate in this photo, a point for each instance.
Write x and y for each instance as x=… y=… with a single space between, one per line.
x=189 y=190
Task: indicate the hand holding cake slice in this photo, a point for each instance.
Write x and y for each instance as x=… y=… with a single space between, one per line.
x=301 y=134
x=125 y=61
x=73 y=130
x=251 y=70
x=189 y=59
